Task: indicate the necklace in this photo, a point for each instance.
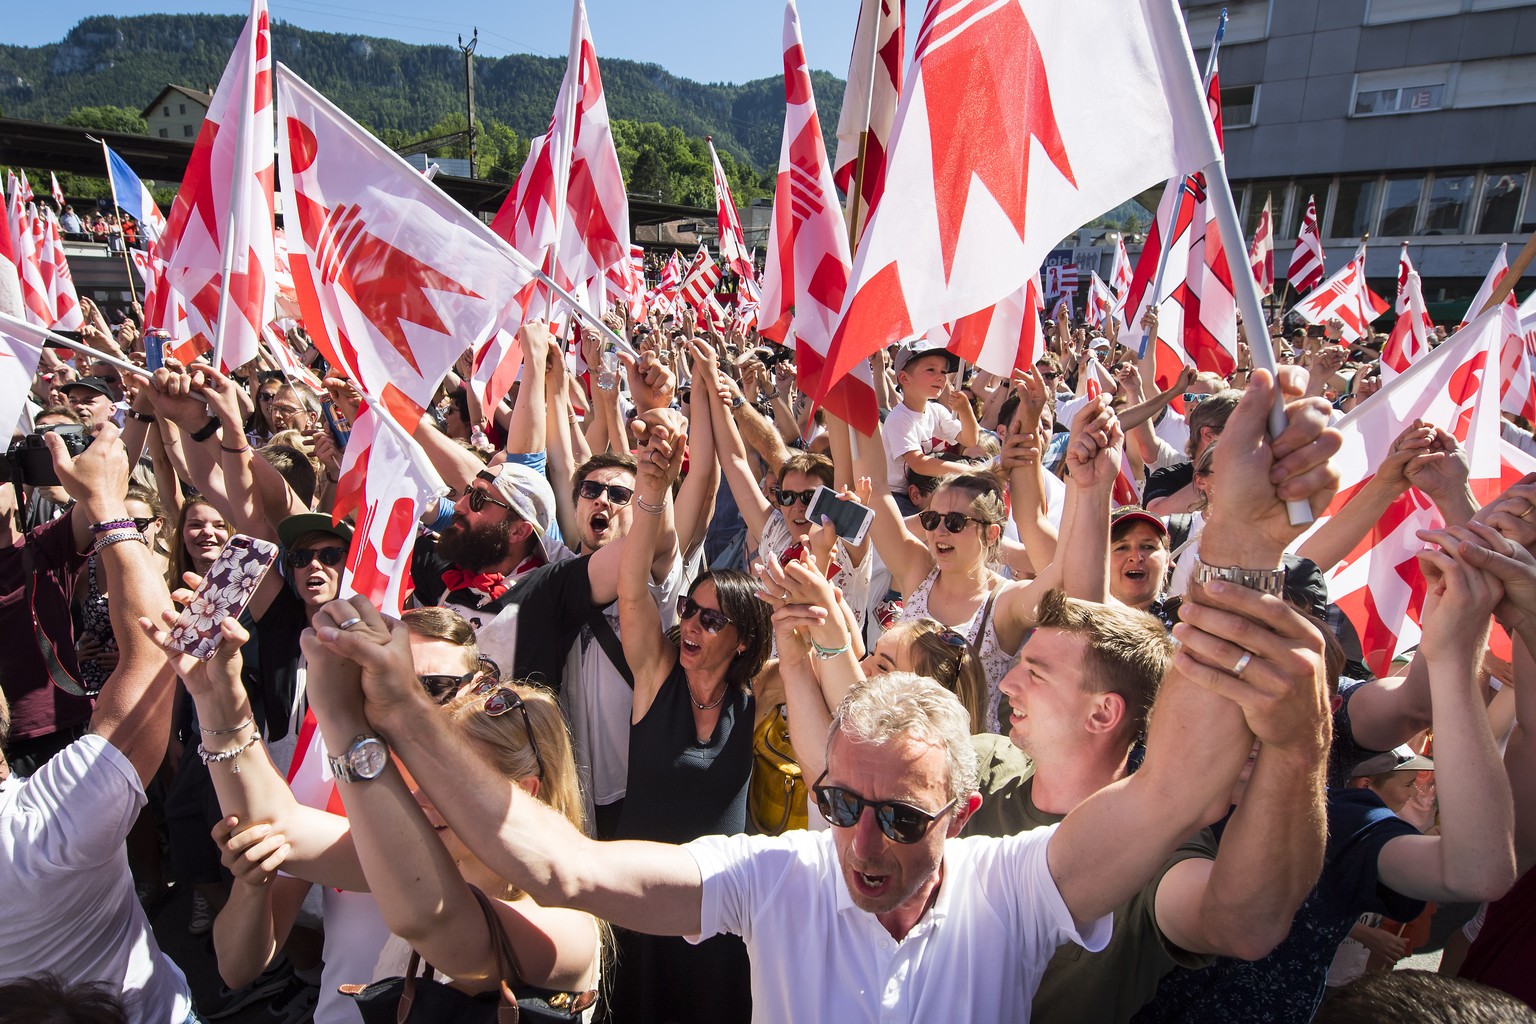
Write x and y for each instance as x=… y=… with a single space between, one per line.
x=705 y=707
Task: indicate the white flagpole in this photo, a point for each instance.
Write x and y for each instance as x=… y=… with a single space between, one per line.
x=856 y=193
x=239 y=184
x=58 y=339
x=567 y=141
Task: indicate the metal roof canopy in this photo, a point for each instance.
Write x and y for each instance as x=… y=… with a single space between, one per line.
x=59 y=147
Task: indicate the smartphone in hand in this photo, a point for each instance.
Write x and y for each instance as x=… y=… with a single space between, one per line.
x=227 y=588
x=850 y=519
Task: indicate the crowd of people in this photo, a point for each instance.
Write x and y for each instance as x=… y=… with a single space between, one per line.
x=657 y=741
x=117 y=232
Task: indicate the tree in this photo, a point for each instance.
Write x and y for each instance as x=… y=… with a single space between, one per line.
x=108 y=119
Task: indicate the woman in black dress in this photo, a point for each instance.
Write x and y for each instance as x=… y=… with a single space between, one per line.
x=690 y=744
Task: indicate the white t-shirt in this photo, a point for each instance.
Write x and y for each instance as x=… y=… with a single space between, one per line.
x=907 y=431
x=66 y=894
x=976 y=955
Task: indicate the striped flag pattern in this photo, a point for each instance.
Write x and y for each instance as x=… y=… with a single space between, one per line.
x=1306 y=270
x=1345 y=296
x=663 y=297
x=733 y=245
x=878 y=44
x=1261 y=253
x=700 y=282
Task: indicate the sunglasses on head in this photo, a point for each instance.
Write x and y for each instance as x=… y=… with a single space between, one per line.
x=479 y=497
x=592 y=490
x=298 y=558
x=899 y=822
x=953 y=522
x=501 y=699
x=712 y=619
x=441 y=688
x=950 y=638
x=788 y=498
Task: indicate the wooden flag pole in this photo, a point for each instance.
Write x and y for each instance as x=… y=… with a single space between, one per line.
x=1512 y=275
x=112 y=187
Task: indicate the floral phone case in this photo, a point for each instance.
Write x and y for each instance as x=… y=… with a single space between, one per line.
x=228 y=587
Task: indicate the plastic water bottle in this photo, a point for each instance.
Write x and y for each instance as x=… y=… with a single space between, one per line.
x=608 y=376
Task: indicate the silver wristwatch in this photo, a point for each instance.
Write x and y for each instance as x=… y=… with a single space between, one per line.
x=1265 y=581
x=364 y=759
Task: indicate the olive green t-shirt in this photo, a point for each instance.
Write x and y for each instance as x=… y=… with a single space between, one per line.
x=1110 y=985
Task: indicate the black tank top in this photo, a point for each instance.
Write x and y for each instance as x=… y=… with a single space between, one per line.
x=680 y=789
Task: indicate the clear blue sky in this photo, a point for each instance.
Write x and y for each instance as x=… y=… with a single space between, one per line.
x=706 y=40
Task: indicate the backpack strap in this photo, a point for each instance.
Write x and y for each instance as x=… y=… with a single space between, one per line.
x=609 y=641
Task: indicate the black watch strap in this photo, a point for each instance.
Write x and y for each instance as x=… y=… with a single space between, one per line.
x=207 y=429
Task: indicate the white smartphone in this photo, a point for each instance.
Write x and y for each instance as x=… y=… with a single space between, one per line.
x=850 y=519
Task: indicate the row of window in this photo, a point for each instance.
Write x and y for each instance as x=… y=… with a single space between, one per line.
x=187 y=131
x=1484 y=202
x=1248 y=20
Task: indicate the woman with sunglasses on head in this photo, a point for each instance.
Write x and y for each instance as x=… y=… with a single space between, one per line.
x=392 y=844
x=946 y=573
x=690 y=746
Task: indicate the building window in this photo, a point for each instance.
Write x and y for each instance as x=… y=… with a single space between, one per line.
x=1501 y=202
x=1239 y=104
x=1401 y=90
x=1381 y=12
x=166 y=110
x=186 y=130
x=183 y=108
x=1450 y=197
x=1318 y=188
x=1353 y=207
x=165 y=133
x=1504 y=82
x=1273 y=190
x=1400 y=206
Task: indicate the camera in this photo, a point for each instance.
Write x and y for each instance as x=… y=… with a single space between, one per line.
x=27 y=461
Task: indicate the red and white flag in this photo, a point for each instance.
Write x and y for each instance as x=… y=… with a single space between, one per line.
x=663 y=298
x=21 y=348
x=1101 y=302
x=1306 y=270
x=568 y=212
x=700 y=281
x=62 y=298
x=626 y=283
x=1345 y=296
x=1094 y=380
x=286 y=299
x=1490 y=282
x=224 y=207
x=28 y=240
x=1121 y=273
x=733 y=245
x=1409 y=340
x=27 y=195
x=1005 y=338
x=1517 y=364
x=1379 y=584
x=1261 y=252
x=395 y=279
x=805 y=276
x=282 y=353
x=390 y=482
x=10 y=273
x=870 y=99
x=58 y=193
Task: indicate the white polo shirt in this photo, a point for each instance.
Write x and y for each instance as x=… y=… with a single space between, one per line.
x=976 y=955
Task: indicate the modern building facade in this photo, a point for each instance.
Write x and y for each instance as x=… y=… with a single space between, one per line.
x=1409 y=120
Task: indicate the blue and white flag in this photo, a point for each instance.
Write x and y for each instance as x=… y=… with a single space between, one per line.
x=130 y=196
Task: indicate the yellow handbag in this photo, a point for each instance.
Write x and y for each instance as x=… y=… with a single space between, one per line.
x=776 y=797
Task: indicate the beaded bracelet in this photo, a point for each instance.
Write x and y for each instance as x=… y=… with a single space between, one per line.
x=106 y=540
x=225 y=732
x=219 y=757
x=828 y=653
x=108 y=525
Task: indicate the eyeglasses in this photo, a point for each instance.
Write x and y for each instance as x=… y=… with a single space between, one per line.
x=592 y=490
x=712 y=619
x=441 y=688
x=1193 y=399
x=501 y=699
x=143 y=524
x=788 y=498
x=267 y=396
x=287 y=410
x=899 y=822
x=954 y=522
x=298 y=558
x=479 y=497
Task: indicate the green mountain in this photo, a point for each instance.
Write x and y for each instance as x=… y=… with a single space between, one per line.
x=396 y=89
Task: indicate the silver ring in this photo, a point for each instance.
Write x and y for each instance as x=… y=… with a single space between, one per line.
x=1242 y=663
x=354 y=620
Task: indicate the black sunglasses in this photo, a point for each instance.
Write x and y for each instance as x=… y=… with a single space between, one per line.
x=953 y=522
x=899 y=822
x=298 y=558
x=441 y=688
x=143 y=524
x=950 y=638
x=479 y=497
x=712 y=619
x=591 y=490
x=501 y=699
x=788 y=498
